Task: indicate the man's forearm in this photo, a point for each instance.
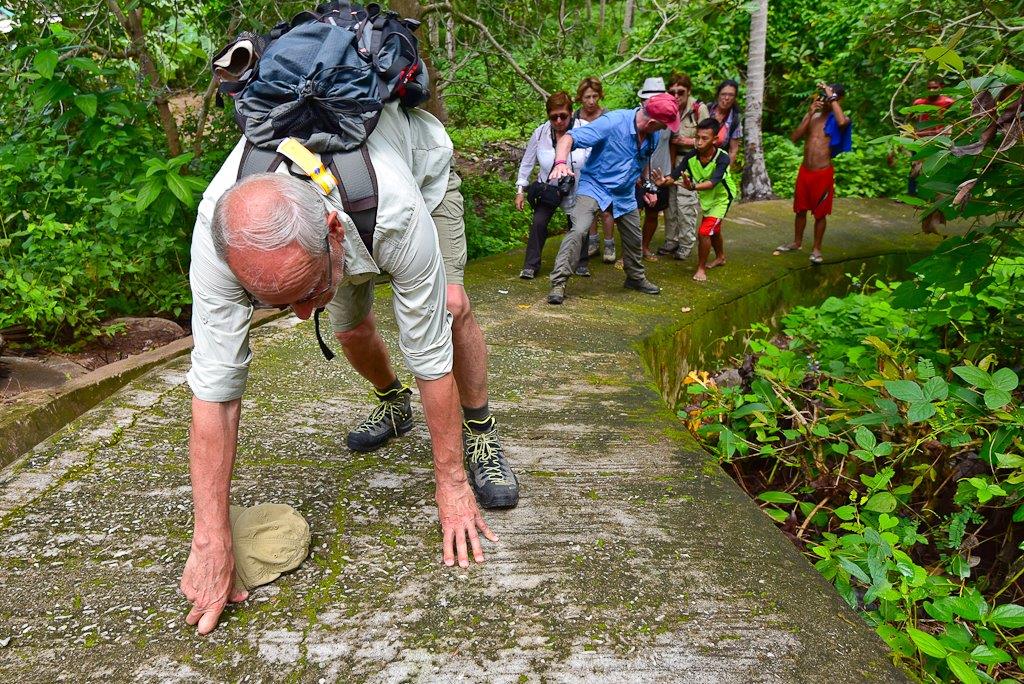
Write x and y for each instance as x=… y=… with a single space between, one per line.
x=213 y=441
x=441 y=409
x=841 y=119
x=564 y=148
x=801 y=129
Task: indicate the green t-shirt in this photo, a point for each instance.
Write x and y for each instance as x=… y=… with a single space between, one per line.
x=714 y=202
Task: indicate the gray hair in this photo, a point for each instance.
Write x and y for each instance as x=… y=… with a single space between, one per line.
x=299 y=216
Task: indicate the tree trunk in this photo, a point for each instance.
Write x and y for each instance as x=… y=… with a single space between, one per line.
x=600 y=15
x=131 y=22
x=756 y=183
x=627 y=26
x=435 y=105
x=449 y=37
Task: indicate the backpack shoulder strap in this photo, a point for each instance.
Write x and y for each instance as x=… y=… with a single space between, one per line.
x=358 y=189
x=257 y=160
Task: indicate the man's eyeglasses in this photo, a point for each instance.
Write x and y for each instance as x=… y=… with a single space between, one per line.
x=257 y=304
x=681 y=91
x=558 y=117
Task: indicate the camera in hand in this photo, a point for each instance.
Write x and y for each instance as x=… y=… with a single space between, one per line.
x=648 y=186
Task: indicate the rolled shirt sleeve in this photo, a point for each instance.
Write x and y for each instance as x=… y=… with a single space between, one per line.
x=529 y=158
x=221 y=312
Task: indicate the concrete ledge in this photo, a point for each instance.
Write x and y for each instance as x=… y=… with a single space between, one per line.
x=36 y=415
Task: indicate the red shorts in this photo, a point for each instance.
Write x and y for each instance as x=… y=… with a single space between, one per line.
x=710 y=226
x=814 y=191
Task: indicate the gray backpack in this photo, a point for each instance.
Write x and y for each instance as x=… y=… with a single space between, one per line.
x=323 y=78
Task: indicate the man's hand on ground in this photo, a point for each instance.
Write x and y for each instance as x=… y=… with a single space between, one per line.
x=460 y=517
x=208 y=584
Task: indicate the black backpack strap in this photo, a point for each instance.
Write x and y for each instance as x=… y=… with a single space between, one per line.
x=357 y=185
x=257 y=160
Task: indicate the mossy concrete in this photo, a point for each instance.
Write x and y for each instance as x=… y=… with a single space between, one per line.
x=632 y=556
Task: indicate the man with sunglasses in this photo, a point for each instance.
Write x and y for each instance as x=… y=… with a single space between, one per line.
x=278 y=239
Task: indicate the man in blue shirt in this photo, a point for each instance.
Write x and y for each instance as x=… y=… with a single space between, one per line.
x=621 y=142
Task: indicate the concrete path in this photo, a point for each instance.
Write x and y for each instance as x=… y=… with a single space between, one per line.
x=631 y=557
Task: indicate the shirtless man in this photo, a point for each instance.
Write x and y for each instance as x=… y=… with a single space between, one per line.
x=815 y=182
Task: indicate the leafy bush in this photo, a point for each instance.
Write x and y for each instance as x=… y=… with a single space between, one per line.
x=889 y=442
x=492 y=223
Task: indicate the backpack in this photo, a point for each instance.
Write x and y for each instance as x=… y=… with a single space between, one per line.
x=323 y=78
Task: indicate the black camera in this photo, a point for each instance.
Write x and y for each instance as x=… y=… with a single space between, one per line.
x=647 y=185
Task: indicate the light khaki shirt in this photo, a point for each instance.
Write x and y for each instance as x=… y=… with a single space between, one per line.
x=411 y=154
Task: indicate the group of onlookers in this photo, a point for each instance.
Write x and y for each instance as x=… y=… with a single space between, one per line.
x=611 y=166
x=618 y=168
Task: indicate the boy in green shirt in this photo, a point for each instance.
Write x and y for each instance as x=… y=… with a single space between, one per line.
x=706 y=170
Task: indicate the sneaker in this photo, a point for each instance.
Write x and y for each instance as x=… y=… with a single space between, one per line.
x=668 y=248
x=583 y=271
x=644 y=285
x=392 y=417
x=609 y=253
x=527 y=274
x=592 y=246
x=681 y=254
x=557 y=294
x=490 y=475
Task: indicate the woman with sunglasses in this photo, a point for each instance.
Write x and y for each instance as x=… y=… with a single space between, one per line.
x=724 y=109
x=540 y=151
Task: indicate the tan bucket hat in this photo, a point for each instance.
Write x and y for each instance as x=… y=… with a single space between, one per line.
x=268 y=539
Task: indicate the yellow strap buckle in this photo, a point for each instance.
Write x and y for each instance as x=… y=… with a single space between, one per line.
x=309 y=163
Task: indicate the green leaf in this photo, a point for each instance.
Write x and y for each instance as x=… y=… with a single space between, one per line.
x=1005 y=379
x=882 y=502
x=962 y=671
x=147 y=195
x=45 y=62
x=777 y=514
x=848 y=512
x=86 y=103
x=922 y=410
x=926 y=643
x=974 y=376
x=854 y=570
x=936 y=389
x=905 y=390
x=1008 y=615
x=939 y=610
x=970 y=606
x=777 y=497
x=989 y=655
x=180 y=190
x=997 y=398
x=865 y=438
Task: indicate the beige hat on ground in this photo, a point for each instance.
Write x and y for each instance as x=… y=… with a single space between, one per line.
x=268 y=539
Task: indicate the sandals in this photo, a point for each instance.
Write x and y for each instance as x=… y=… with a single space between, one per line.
x=787 y=248
x=817 y=259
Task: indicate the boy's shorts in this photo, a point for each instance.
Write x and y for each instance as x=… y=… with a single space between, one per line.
x=710 y=226
x=815 y=189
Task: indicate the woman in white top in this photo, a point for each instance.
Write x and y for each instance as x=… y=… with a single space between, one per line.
x=540 y=151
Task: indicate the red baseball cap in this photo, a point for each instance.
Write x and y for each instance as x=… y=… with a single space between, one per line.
x=664 y=107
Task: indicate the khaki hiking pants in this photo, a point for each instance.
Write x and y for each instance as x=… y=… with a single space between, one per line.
x=582 y=215
x=681 y=219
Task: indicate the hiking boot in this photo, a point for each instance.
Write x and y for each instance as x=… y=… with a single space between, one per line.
x=668 y=248
x=609 y=253
x=527 y=274
x=490 y=475
x=557 y=294
x=643 y=285
x=592 y=246
x=392 y=417
x=583 y=271
x=681 y=254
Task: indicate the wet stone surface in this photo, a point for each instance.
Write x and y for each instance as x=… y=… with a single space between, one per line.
x=630 y=558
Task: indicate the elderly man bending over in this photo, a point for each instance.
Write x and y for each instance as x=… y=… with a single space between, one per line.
x=275 y=238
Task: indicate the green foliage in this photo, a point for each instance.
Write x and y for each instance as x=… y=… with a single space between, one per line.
x=492 y=223
x=894 y=437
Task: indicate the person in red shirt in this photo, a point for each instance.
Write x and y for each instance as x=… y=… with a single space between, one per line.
x=943 y=102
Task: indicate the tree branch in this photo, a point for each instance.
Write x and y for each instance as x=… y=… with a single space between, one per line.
x=666 y=20
x=501 y=50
